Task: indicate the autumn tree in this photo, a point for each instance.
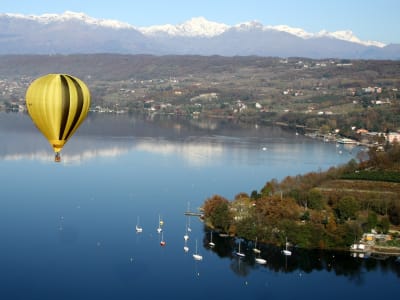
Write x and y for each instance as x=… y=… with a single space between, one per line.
x=216 y=210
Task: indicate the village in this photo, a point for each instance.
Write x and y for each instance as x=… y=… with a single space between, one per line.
x=376 y=245
x=339 y=100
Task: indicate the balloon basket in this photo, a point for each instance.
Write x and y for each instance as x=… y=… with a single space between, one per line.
x=57 y=157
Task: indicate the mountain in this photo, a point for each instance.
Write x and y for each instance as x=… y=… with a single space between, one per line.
x=72 y=32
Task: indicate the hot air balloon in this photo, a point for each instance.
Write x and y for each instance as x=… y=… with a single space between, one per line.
x=57 y=104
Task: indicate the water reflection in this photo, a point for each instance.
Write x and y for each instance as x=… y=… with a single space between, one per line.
x=198 y=142
x=79 y=221
x=300 y=262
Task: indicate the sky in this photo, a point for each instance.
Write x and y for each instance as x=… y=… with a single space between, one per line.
x=376 y=20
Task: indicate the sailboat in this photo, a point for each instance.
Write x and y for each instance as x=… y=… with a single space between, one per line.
x=186 y=236
x=255 y=249
x=160 y=223
x=286 y=251
x=189 y=229
x=185 y=247
x=211 y=243
x=138 y=227
x=238 y=253
x=260 y=260
x=162 y=242
x=188 y=226
x=197 y=256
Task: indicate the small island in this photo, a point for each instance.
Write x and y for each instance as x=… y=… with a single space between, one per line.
x=353 y=207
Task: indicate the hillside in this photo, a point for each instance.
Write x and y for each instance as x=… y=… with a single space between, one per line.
x=319 y=94
x=315 y=210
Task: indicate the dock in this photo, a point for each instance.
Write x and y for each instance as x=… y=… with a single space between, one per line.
x=193 y=214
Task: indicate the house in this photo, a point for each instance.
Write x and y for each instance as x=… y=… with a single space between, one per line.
x=362 y=131
x=391 y=137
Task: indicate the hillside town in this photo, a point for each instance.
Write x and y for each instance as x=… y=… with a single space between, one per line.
x=329 y=99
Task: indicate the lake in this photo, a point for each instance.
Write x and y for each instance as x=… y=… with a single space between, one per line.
x=67 y=229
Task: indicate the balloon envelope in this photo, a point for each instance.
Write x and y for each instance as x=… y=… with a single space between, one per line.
x=57 y=104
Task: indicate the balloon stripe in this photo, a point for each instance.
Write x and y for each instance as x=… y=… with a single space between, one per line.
x=79 y=108
x=65 y=103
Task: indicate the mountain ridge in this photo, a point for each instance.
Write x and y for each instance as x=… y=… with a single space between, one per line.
x=73 y=32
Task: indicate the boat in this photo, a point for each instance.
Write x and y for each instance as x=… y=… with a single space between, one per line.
x=255 y=249
x=286 y=251
x=160 y=223
x=188 y=218
x=186 y=236
x=185 y=247
x=196 y=255
x=211 y=243
x=138 y=227
x=188 y=226
x=260 y=260
x=162 y=242
x=346 y=141
x=238 y=253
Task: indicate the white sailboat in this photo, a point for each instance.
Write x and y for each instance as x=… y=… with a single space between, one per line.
x=160 y=223
x=196 y=255
x=185 y=247
x=139 y=229
x=186 y=236
x=188 y=218
x=260 y=260
x=255 y=249
x=286 y=251
x=238 y=253
x=211 y=243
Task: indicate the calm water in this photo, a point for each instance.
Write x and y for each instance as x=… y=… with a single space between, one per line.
x=67 y=230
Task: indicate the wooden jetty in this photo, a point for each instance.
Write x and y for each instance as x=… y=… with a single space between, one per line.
x=193 y=214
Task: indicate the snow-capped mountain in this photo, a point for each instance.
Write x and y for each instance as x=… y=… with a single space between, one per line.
x=70 y=16
x=73 y=32
x=195 y=27
x=200 y=27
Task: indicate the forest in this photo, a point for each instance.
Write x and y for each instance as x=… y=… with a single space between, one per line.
x=317 y=210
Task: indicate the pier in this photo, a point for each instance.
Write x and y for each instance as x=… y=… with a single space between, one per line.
x=193 y=214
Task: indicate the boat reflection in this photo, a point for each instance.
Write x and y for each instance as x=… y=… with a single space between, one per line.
x=302 y=261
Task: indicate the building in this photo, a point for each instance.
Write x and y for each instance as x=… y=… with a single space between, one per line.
x=393 y=136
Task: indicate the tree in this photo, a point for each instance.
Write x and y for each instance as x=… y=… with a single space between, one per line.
x=315 y=200
x=255 y=195
x=385 y=224
x=394 y=213
x=216 y=210
x=372 y=220
x=269 y=188
x=347 y=208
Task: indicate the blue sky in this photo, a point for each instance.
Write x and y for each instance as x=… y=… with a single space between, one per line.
x=369 y=19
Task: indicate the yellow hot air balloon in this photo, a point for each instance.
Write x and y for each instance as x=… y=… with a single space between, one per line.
x=58 y=104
